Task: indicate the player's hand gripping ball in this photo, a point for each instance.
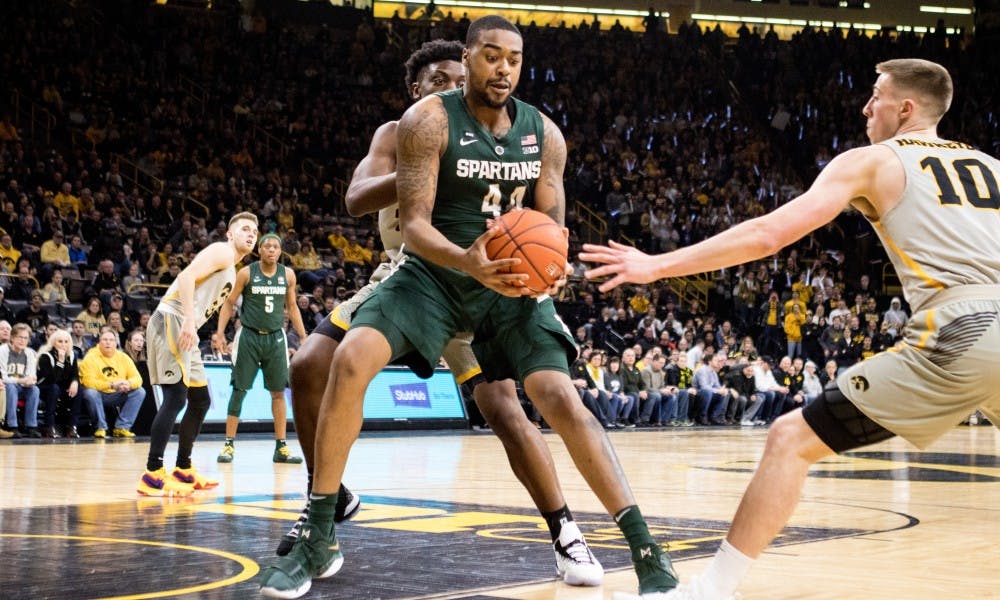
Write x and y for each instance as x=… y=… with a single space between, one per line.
x=537 y=240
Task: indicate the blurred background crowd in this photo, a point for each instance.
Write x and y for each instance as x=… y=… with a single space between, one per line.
x=131 y=134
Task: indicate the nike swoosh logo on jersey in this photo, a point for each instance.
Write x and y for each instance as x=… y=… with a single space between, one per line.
x=467 y=141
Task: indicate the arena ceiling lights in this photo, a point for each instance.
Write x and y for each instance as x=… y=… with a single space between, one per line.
x=782 y=21
x=623 y=12
x=947 y=10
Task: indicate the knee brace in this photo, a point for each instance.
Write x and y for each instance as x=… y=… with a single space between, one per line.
x=840 y=424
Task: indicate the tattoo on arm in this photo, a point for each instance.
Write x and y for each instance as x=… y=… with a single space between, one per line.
x=419 y=140
x=550 y=194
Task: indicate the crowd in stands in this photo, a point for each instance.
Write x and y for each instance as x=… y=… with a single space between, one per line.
x=163 y=123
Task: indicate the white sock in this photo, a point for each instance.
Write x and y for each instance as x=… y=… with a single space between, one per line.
x=727 y=570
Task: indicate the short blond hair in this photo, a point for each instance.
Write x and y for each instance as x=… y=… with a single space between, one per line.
x=928 y=79
x=249 y=216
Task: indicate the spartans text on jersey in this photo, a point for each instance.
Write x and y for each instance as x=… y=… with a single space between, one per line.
x=496 y=170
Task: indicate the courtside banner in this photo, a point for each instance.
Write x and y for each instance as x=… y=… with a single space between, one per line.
x=395 y=394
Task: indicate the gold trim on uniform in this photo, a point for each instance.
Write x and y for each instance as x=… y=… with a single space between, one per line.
x=917 y=269
x=468 y=375
x=336 y=320
x=922 y=344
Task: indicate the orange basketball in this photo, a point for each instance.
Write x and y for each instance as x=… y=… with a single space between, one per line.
x=537 y=240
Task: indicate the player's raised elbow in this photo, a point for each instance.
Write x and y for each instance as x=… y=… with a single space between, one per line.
x=353 y=202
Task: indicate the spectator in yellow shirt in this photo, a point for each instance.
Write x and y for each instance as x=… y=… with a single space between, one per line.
x=640 y=301
x=308 y=267
x=65 y=202
x=795 y=299
x=355 y=254
x=803 y=288
x=337 y=239
x=109 y=377
x=794 y=320
x=9 y=255
x=54 y=255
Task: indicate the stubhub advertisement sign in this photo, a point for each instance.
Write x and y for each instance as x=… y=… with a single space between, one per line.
x=395 y=394
x=411 y=394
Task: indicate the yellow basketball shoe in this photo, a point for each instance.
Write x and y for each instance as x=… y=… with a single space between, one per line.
x=156 y=483
x=193 y=478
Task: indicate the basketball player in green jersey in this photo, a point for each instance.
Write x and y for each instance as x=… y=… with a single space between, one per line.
x=936 y=206
x=435 y=67
x=268 y=290
x=174 y=358
x=463 y=157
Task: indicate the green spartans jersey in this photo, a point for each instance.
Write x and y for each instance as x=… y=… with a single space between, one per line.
x=264 y=299
x=482 y=176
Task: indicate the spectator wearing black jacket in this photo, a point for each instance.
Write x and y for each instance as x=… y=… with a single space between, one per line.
x=789 y=377
x=672 y=380
x=58 y=380
x=106 y=282
x=744 y=401
x=632 y=386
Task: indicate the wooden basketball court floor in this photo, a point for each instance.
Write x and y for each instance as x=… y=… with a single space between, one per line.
x=443 y=517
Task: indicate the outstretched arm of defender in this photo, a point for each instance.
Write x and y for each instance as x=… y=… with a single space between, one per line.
x=373 y=185
x=847 y=178
x=421 y=138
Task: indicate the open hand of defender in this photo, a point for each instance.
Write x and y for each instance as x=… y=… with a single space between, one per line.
x=623 y=263
x=493 y=273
